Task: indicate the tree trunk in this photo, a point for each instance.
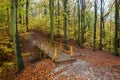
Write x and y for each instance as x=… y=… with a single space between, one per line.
x=103 y=19
x=75 y=15
x=102 y=29
x=78 y=22
x=58 y=17
x=65 y=23
x=15 y=36
x=94 y=40
x=51 y=6
x=116 y=27
x=110 y=32
x=45 y=10
x=27 y=7
x=20 y=14
x=82 y=22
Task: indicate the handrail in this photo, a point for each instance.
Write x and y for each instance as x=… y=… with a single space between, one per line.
x=69 y=46
x=56 y=46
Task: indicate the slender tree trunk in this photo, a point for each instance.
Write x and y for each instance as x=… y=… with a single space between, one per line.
x=20 y=14
x=58 y=17
x=116 y=27
x=75 y=21
x=95 y=23
x=23 y=16
x=110 y=33
x=65 y=23
x=45 y=11
x=103 y=28
x=27 y=7
x=21 y=6
x=75 y=15
x=101 y=25
x=15 y=35
x=78 y=22
x=103 y=19
x=68 y=13
x=51 y=6
x=82 y=22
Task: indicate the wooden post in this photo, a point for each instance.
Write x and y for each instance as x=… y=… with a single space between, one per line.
x=55 y=53
x=71 y=50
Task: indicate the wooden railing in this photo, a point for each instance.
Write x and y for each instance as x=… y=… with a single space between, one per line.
x=57 y=46
x=61 y=46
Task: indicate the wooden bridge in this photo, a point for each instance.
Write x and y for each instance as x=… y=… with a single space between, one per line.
x=56 y=51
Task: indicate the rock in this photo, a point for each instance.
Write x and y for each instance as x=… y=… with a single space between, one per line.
x=35 y=56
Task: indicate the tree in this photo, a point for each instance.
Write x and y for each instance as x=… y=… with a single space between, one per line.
x=45 y=10
x=27 y=7
x=65 y=22
x=82 y=22
x=101 y=24
x=15 y=35
x=20 y=12
x=75 y=14
x=51 y=7
x=78 y=22
x=94 y=40
x=58 y=7
x=117 y=27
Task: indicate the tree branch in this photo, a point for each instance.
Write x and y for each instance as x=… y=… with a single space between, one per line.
x=109 y=11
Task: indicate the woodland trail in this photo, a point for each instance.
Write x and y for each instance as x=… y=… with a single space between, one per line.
x=89 y=65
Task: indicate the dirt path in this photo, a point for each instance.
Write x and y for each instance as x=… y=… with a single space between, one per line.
x=89 y=65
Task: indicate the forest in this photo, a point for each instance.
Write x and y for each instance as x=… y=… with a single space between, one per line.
x=59 y=39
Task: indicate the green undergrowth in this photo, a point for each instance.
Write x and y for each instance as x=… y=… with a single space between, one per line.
x=6 y=53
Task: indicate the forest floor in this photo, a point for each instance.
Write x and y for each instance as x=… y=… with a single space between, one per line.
x=89 y=65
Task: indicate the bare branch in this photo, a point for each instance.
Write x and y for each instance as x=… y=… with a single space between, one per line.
x=109 y=11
